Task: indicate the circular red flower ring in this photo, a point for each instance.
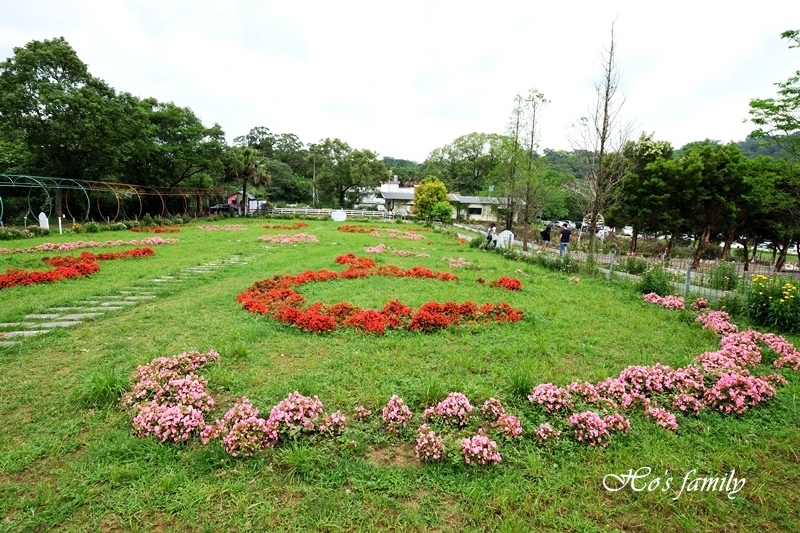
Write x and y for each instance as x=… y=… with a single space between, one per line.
x=276 y=298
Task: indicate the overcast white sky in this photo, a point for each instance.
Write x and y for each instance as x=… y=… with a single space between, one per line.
x=404 y=78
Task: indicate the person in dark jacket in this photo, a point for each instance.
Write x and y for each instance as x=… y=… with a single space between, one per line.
x=545 y=233
x=564 y=244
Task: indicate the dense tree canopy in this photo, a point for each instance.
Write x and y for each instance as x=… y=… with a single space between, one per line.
x=343 y=173
x=427 y=195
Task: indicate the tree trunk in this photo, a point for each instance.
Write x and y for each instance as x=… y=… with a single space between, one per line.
x=701 y=246
x=58 y=202
x=634 y=238
x=746 y=257
x=782 y=249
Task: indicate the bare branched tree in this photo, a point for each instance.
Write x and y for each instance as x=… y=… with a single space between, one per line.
x=598 y=142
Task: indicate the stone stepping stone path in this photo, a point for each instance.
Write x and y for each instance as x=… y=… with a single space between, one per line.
x=70 y=315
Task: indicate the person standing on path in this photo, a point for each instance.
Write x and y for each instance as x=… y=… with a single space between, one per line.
x=564 y=244
x=491 y=235
x=545 y=234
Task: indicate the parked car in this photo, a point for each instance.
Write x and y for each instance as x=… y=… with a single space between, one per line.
x=220 y=208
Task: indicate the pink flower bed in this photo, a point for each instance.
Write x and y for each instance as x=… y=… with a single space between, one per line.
x=297 y=238
x=674 y=303
x=76 y=245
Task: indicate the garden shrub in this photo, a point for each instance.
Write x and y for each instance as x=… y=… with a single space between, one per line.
x=633 y=265
x=92 y=227
x=656 y=280
x=731 y=302
x=773 y=303
x=723 y=277
x=652 y=247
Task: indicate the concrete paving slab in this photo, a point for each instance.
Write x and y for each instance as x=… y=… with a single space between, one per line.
x=42 y=316
x=81 y=316
x=62 y=324
x=29 y=333
x=5 y=325
x=135 y=298
x=73 y=308
x=117 y=303
x=7 y=343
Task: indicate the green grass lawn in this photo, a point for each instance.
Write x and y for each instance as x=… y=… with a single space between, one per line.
x=69 y=460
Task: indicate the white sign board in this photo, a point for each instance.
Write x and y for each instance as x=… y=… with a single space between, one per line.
x=43 y=222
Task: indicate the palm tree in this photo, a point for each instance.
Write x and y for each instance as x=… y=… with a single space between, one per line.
x=247 y=165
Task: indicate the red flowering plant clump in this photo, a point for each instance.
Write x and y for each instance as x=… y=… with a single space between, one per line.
x=278 y=299
x=155 y=229
x=297 y=225
x=66 y=267
x=505 y=282
x=349 y=228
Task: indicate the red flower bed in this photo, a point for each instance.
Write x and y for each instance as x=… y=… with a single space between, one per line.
x=348 y=228
x=277 y=298
x=66 y=267
x=298 y=225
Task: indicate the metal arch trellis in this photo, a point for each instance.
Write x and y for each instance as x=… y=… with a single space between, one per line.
x=41 y=182
x=118 y=190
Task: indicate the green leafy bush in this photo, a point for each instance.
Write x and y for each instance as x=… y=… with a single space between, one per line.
x=633 y=265
x=723 y=277
x=656 y=280
x=732 y=303
x=773 y=303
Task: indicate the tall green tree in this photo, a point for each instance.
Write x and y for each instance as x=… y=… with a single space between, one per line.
x=463 y=165
x=719 y=171
x=427 y=195
x=779 y=118
x=342 y=173
x=62 y=113
x=247 y=166
x=644 y=193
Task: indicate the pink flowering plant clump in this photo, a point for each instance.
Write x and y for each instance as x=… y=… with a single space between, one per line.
x=662 y=417
x=362 y=412
x=717 y=321
x=617 y=423
x=546 y=433
x=552 y=397
x=788 y=356
x=493 y=408
x=699 y=304
x=735 y=393
x=674 y=303
x=377 y=249
x=429 y=446
x=242 y=430
x=584 y=390
x=296 y=414
x=455 y=410
x=508 y=425
x=645 y=379
x=333 y=424
x=167 y=399
x=688 y=403
x=589 y=428
x=396 y=415
x=480 y=450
